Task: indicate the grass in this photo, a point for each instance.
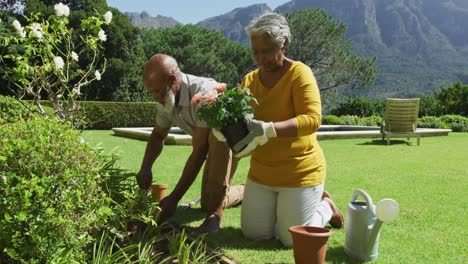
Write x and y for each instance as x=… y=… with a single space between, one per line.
x=429 y=182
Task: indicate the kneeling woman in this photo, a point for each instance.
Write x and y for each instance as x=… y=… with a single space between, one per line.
x=285 y=185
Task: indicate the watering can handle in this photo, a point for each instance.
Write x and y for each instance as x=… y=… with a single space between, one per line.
x=357 y=193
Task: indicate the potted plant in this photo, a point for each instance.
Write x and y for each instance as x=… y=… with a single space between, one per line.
x=225 y=110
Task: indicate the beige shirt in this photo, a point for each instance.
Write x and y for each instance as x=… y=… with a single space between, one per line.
x=184 y=114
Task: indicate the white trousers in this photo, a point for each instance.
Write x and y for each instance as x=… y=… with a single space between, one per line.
x=269 y=211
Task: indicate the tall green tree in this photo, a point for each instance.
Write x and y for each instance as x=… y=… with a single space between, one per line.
x=454 y=99
x=200 y=52
x=123 y=50
x=318 y=41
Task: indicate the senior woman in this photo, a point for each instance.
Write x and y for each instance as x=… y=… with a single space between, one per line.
x=285 y=185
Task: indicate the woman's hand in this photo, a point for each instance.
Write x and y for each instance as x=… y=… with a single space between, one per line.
x=259 y=133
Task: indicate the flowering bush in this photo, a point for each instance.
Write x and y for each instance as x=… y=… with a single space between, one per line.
x=221 y=107
x=41 y=58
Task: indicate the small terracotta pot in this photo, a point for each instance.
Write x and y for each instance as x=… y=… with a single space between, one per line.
x=309 y=244
x=158 y=191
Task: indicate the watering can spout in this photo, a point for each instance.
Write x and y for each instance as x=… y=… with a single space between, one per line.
x=374 y=233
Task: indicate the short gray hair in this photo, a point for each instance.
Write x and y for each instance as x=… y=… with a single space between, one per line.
x=273 y=24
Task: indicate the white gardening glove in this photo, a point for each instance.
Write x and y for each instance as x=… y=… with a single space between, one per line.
x=259 y=133
x=218 y=135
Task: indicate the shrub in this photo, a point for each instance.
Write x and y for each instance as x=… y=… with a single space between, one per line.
x=51 y=196
x=430 y=106
x=331 y=120
x=350 y=120
x=106 y=115
x=454 y=99
x=359 y=106
x=11 y=110
x=457 y=123
x=370 y=121
x=431 y=122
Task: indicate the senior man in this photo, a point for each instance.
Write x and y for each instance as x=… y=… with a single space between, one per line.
x=173 y=90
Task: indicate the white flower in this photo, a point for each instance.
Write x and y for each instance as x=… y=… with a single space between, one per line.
x=98 y=75
x=58 y=62
x=37 y=33
x=36 y=26
x=17 y=26
x=59 y=96
x=74 y=56
x=108 y=17
x=61 y=10
x=77 y=91
x=102 y=35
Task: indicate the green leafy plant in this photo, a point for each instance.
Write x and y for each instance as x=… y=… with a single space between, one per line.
x=221 y=107
x=51 y=196
x=42 y=58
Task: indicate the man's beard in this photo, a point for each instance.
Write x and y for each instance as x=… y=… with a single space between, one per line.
x=169 y=101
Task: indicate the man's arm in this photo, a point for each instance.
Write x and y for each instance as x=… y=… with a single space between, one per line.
x=194 y=162
x=153 y=149
x=189 y=174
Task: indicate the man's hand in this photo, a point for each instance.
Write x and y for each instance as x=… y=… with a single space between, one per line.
x=144 y=178
x=259 y=133
x=168 y=207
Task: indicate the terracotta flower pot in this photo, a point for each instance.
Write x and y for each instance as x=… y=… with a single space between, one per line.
x=158 y=191
x=235 y=132
x=309 y=244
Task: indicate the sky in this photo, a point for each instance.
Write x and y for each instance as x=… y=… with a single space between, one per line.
x=187 y=11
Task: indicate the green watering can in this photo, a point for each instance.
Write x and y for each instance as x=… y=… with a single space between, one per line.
x=363 y=223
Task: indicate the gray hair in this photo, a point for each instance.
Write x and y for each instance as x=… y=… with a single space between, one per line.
x=273 y=24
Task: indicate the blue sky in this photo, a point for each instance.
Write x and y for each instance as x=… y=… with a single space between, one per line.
x=187 y=11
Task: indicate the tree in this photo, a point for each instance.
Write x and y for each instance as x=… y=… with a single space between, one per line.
x=123 y=50
x=42 y=58
x=201 y=52
x=318 y=41
x=454 y=99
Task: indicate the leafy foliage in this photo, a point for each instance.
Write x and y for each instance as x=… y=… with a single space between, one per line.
x=230 y=106
x=107 y=115
x=359 y=106
x=331 y=120
x=430 y=106
x=41 y=59
x=318 y=41
x=123 y=50
x=11 y=110
x=51 y=193
x=457 y=123
x=200 y=52
x=454 y=99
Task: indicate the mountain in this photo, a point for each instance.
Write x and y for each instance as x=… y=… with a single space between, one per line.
x=144 y=20
x=421 y=45
x=232 y=24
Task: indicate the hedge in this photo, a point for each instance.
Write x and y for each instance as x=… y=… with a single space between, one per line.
x=457 y=123
x=106 y=115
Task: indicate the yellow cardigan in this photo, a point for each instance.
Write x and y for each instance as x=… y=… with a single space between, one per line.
x=288 y=161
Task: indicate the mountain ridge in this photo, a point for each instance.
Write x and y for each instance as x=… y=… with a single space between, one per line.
x=420 y=44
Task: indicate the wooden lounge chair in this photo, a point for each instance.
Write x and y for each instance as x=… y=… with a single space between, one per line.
x=400 y=119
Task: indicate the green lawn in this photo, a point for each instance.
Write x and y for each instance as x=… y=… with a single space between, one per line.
x=429 y=182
